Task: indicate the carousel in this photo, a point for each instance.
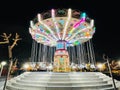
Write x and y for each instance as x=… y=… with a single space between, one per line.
x=62 y=28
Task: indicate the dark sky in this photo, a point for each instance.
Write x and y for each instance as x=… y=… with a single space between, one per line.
x=15 y=17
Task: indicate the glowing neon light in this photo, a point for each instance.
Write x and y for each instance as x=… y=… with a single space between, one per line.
x=66 y=24
x=37 y=32
x=84 y=37
x=45 y=34
x=83 y=15
x=50 y=30
x=78 y=39
x=31 y=31
x=41 y=35
x=53 y=14
x=76 y=25
x=76 y=43
x=55 y=23
x=61 y=21
x=31 y=23
x=82 y=26
x=91 y=23
x=77 y=33
x=39 y=19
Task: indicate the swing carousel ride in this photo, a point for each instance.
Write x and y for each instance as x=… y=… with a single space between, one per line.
x=62 y=28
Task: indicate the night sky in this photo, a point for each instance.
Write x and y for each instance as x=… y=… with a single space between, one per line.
x=15 y=17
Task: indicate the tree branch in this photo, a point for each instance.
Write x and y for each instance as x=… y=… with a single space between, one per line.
x=15 y=41
x=6 y=38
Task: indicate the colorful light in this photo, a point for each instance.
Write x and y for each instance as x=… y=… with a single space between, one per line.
x=55 y=23
x=84 y=29
x=83 y=16
x=48 y=28
x=67 y=22
x=76 y=42
x=76 y=25
x=92 y=23
x=65 y=27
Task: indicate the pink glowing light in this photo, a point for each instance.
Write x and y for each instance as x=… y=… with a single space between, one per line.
x=76 y=25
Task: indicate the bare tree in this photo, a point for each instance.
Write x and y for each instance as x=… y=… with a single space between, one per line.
x=10 y=48
x=6 y=38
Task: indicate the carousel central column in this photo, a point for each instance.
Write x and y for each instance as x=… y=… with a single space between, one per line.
x=61 y=57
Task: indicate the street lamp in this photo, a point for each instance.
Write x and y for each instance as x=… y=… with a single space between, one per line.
x=26 y=66
x=100 y=66
x=3 y=63
x=119 y=63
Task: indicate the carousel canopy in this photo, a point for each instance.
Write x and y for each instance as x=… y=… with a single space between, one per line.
x=68 y=25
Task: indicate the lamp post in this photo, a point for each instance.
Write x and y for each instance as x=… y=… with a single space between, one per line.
x=107 y=59
x=3 y=63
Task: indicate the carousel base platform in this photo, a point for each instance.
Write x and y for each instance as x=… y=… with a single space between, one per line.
x=61 y=81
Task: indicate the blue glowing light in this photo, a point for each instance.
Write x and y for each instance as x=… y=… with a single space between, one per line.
x=60 y=46
x=83 y=15
x=41 y=28
x=37 y=35
x=82 y=26
x=61 y=22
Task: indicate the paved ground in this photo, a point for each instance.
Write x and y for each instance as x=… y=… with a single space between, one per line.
x=1 y=85
x=2 y=79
